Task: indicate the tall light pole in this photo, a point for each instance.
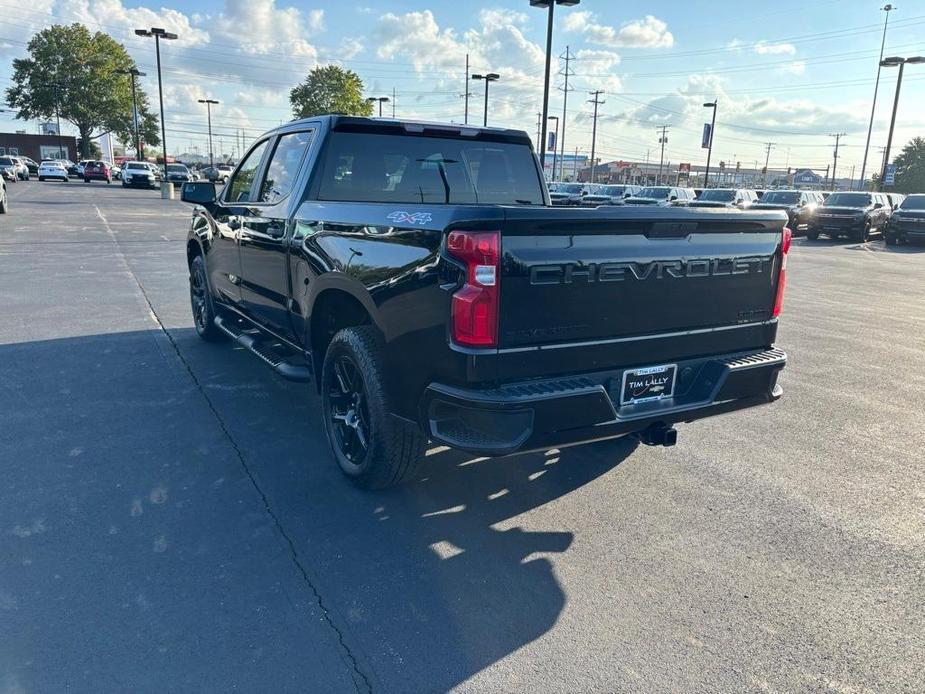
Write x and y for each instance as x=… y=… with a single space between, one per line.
x=706 y=173
x=133 y=73
x=873 y=107
x=489 y=78
x=893 y=62
x=555 y=142
x=380 y=99
x=208 y=103
x=159 y=34
x=550 y=5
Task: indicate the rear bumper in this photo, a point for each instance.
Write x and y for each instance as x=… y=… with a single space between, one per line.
x=565 y=411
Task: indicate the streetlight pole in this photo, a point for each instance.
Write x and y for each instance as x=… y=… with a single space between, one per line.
x=873 y=107
x=380 y=99
x=893 y=62
x=550 y=5
x=706 y=173
x=208 y=103
x=555 y=142
x=159 y=34
x=489 y=78
x=58 y=117
x=133 y=73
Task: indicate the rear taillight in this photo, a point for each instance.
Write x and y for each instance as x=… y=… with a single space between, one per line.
x=475 y=305
x=782 y=277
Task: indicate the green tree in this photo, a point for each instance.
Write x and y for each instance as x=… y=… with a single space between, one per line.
x=79 y=71
x=329 y=89
x=910 y=167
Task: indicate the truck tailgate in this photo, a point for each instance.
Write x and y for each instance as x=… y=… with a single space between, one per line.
x=635 y=283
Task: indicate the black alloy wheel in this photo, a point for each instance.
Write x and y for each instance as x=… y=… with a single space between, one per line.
x=201 y=301
x=349 y=410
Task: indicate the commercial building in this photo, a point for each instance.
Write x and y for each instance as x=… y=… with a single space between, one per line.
x=38 y=147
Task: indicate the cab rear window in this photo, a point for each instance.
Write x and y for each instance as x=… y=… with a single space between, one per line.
x=375 y=167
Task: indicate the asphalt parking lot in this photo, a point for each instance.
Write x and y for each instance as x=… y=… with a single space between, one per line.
x=170 y=519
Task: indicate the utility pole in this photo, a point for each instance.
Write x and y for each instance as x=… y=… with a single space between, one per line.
x=706 y=173
x=837 y=136
x=466 y=92
x=565 y=90
x=208 y=103
x=767 y=158
x=662 y=140
x=873 y=107
x=575 y=165
x=597 y=102
x=393 y=102
x=539 y=120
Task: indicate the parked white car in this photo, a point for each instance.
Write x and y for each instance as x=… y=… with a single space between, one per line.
x=53 y=169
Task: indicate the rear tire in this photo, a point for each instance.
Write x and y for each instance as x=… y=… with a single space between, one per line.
x=812 y=235
x=372 y=448
x=86 y=180
x=890 y=240
x=41 y=179
x=201 y=303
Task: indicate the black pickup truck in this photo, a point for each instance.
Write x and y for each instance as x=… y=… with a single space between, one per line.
x=417 y=274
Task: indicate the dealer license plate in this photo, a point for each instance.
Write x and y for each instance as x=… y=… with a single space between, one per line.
x=650 y=383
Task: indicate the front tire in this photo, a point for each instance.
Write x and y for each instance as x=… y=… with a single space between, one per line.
x=373 y=449
x=812 y=235
x=41 y=179
x=3 y=205
x=201 y=303
x=891 y=240
x=863 y=236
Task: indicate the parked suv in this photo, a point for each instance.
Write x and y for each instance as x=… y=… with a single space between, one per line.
x=855 y=215
x=907 y=223
x=139 y=173
x=97 y=171
x=664 y=196
x=609 y=195
x=800 y=206
x=726 y=197
x=569 y=194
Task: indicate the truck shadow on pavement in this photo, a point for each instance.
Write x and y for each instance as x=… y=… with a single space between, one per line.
x=433 y=581
x=424 y=585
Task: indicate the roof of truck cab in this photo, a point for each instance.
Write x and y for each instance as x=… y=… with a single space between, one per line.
x=334 y=121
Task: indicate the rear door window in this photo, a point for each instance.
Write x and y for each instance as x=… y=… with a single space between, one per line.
x=380 y=167
x=284 y=166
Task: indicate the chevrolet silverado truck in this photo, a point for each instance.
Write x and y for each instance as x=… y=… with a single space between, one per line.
x=418 y=276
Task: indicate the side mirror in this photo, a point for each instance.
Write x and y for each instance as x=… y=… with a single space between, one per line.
x=878 y=205
x=672 y=198
x=198 y=192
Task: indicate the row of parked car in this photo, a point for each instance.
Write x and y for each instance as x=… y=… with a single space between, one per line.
x=857 y=215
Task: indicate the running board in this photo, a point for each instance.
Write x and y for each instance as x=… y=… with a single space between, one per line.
x=267 y=349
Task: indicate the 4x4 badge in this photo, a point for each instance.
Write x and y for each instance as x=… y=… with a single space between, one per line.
x=402 y=217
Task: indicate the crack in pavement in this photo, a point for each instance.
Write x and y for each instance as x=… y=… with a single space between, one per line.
x=361 y=680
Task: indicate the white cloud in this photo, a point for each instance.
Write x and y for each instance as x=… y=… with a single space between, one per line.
x=764 y=48
x=649 y=32
x=796 y=67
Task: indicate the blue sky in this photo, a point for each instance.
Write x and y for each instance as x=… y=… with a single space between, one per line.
x=787 y=72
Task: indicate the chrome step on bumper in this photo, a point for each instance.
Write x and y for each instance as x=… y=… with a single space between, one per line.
x=274 y=355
